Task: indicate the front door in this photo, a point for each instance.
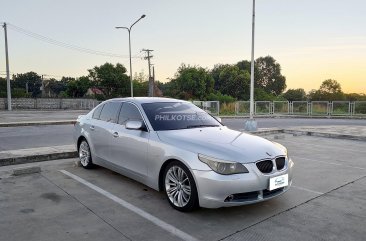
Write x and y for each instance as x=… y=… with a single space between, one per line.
x=129 y=147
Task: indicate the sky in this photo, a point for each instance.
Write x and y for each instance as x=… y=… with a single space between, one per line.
x=312 y=40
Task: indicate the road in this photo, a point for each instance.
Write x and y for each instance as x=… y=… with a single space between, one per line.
x=12 y=138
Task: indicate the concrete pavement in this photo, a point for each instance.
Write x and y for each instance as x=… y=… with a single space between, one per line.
x=39 y=154
x=27 y=116
x=326 y=202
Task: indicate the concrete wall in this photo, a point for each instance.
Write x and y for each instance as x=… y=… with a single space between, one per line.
x=49 y=103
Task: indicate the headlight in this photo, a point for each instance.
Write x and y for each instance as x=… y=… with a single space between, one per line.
x=223 y=167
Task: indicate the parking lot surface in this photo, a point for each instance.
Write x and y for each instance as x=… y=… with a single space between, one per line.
x=65 y=202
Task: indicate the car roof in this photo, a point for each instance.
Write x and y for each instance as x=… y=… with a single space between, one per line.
x=143 y=100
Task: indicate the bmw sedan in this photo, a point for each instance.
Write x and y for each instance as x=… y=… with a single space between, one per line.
x=173 y=146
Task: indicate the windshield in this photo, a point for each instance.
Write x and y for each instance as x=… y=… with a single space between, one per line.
x=177 y=115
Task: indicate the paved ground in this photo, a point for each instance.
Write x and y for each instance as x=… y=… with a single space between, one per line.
x=12 y=138
x=294 y=122
x=21 y=137
x=327 y=202
x=39 y=115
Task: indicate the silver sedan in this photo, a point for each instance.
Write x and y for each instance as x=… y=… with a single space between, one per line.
x=173 y=146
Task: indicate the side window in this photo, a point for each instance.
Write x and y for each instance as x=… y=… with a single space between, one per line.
x=110 y=112
x=128 y=112
x=96 y=113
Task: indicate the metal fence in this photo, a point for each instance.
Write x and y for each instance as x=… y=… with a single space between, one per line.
x=278 y=108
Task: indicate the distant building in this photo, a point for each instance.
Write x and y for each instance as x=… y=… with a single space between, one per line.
x=93 y=91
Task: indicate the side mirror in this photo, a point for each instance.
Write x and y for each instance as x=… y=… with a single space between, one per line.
x=134 y=125
x=218 y=118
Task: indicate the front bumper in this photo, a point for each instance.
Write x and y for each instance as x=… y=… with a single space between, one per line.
x=214 y=189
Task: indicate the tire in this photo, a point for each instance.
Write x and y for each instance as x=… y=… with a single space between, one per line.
x=85 y=155
x=180 y=187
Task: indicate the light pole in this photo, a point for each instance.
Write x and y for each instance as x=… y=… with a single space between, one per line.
x=251 y=124
x=7 y=68
x=129 y=44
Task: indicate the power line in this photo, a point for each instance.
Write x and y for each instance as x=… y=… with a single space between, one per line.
x=63 y=44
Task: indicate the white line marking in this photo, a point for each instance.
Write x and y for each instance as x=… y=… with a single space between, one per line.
x=305 y=189
x=166 y=226
x=331 y=163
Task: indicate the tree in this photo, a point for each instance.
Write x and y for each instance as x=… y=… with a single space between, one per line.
x=245 y=65
x=353 y=97
x=3 y=87
x=268 y=75
x=192 y=82
x=34 y=83
x=111 y=79
x=215 y=73
x=295 y=94
x=77 y=88
x=234 y=82
x=330 y=86
x=57 y=86
x=329 y=90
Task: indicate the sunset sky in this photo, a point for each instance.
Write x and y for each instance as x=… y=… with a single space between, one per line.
x=312 y=40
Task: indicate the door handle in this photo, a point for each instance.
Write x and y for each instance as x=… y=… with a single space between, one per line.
x=92 y=128
x=115 y=134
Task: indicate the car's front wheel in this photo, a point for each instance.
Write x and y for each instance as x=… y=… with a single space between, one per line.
x=180 y=187
x=85 y=155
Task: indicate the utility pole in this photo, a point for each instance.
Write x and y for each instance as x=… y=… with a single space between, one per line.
x=42 y=87
x=251 y=124
x=153 y=77
x=7 y=67
x=151 y=81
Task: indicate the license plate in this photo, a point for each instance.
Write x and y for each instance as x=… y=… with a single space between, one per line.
x=278 y=182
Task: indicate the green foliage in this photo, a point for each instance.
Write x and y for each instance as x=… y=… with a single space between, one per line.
x=111 y=79
x=19 y=93
x=329 y=90
x=245 y=65
x=77 y=88
x=295 y=95
x=140 y=88
x=261 y=95
x=355 y=97
x=215 y=73
x=34 y=83
x=220 y=97
x=268 y=75
x=2 y=88
x=57 y=86
x=234 y=82
x=191 y=82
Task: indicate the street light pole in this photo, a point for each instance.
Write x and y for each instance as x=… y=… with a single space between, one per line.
x=251 y=124
x=7 y=68
x=129 y=45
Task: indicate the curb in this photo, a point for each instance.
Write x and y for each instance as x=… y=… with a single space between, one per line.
x=22 y=156
x=326 y=135
x=38 y=123
x=37 y=158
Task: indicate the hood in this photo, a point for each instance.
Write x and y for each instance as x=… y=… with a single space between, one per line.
x=223 y=143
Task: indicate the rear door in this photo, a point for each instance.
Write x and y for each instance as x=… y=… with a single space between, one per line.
x=102 y=129
x=129 y=147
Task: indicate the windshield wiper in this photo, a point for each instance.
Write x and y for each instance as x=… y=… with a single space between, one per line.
x=197 y=126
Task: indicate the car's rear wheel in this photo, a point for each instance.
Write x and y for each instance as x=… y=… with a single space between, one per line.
x=180 y=187
x=85 y=155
